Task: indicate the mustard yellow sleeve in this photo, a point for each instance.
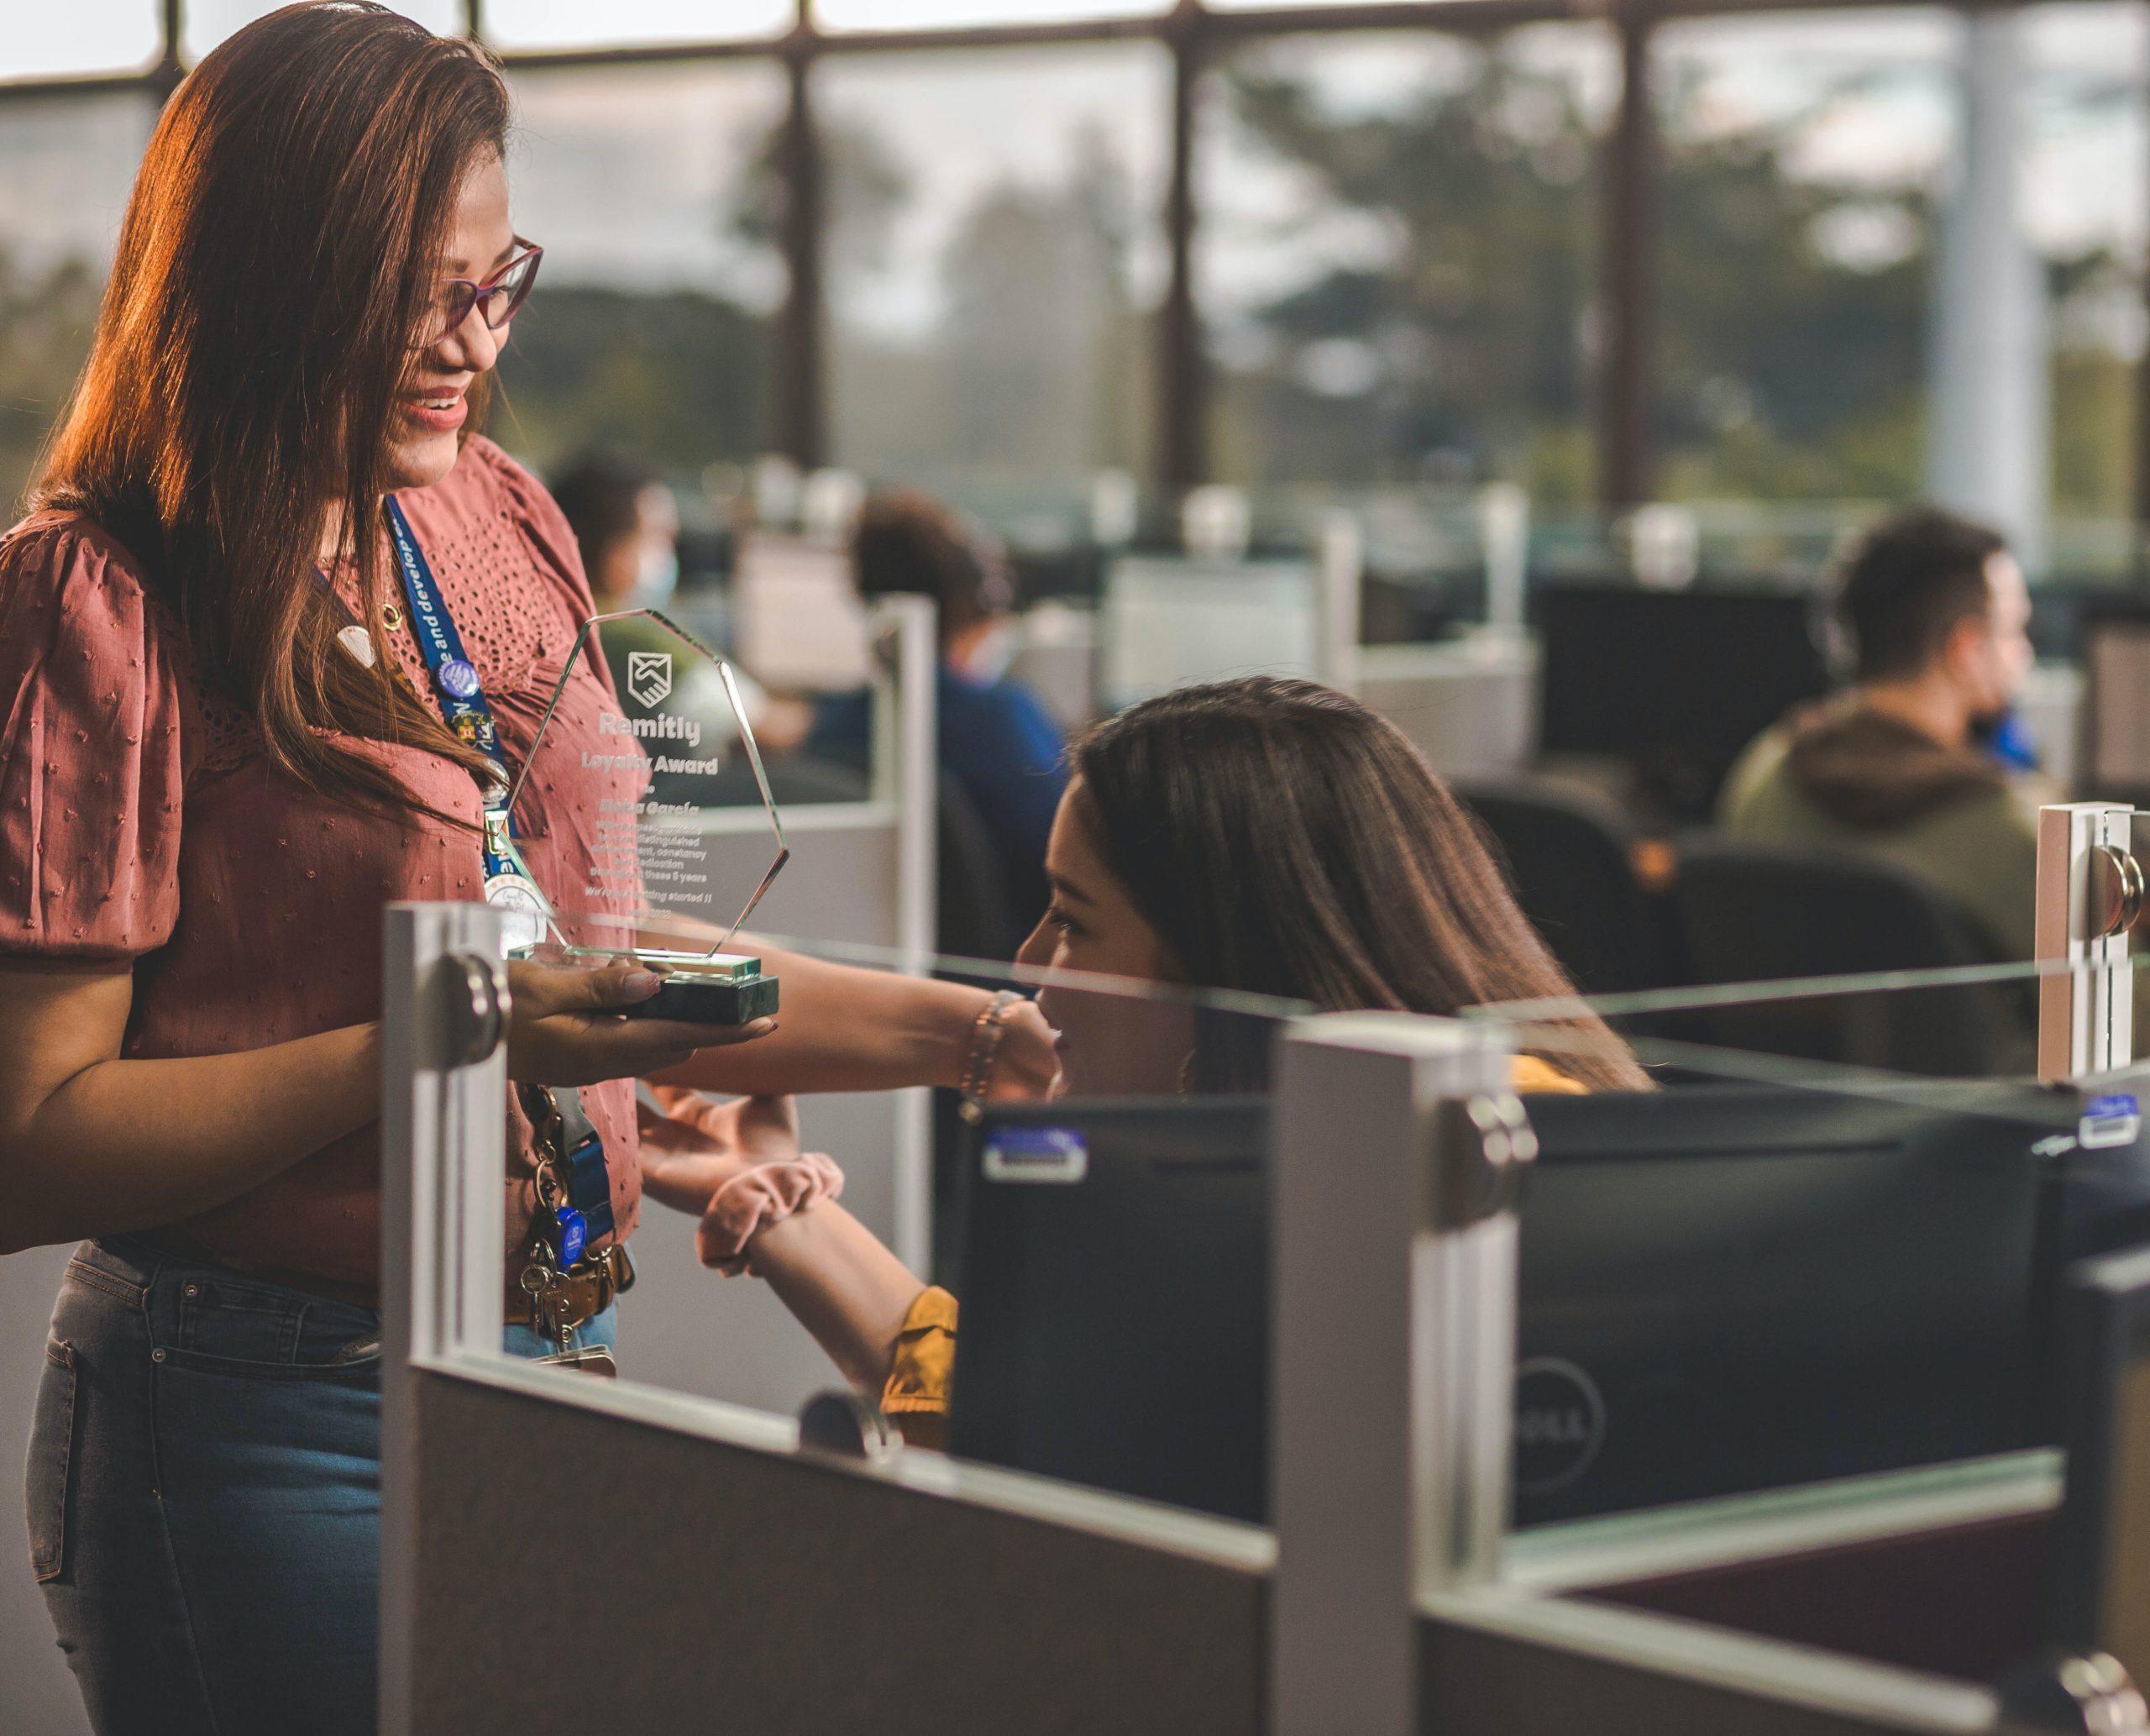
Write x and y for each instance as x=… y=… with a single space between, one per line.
x=924 y=1373
x=1531 y=1076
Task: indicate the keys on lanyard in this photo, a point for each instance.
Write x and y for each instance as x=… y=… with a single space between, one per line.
x=568 y=1282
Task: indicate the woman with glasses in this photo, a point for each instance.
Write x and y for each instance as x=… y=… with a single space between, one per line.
x=276 y=627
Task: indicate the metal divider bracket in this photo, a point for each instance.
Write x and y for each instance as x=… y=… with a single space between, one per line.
x=2090 y=891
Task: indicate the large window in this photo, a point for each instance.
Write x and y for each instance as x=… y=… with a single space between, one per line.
x=80 y=36
x=994 y=251
x=209 y=22
x=66 y=167
x=957 y=14
x=1398 y=257
x=1804 y=158
x=581 y=23
x=1401 y=271
x=648 y=188
x=2086 y=148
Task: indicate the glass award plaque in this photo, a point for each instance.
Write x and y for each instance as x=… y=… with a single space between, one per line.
x=643 y=818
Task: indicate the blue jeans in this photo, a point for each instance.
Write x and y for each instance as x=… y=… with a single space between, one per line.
x=204 y=1497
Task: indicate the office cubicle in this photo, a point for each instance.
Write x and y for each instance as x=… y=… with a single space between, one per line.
x=730 y=1574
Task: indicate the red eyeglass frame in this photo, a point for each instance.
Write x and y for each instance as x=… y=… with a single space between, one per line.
x=469 y=294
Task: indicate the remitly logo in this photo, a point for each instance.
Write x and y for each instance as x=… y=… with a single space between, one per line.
x=649 y=675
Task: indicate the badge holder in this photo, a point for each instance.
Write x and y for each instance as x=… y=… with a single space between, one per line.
x=679 y=817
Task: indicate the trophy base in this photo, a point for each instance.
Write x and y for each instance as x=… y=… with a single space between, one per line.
x=700 y=987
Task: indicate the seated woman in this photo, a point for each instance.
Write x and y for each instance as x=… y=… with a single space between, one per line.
x=1269 y=837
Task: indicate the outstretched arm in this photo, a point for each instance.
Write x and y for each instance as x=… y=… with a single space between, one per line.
x=844 y=1028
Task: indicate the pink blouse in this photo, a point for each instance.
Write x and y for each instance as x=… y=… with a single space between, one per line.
x=140 y=819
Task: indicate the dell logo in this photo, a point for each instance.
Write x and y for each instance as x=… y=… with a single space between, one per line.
x=1559 y=1424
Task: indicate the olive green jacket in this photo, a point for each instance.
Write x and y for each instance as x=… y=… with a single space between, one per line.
x=1978 y=847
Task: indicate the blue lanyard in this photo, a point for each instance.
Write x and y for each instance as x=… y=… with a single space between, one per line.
x=587 y=1213
x=455 y=683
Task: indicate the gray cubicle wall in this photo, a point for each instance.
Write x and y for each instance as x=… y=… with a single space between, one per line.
x=743 y=1589
x=747 y=1588
x=712 y=1575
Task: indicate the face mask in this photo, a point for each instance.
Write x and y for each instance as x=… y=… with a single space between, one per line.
x=657 y=576
x=994 y=650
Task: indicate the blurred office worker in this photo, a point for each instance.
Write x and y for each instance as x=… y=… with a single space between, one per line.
x=626 y=530
x=1934 y=611
x=277 y=628
x=996 y=741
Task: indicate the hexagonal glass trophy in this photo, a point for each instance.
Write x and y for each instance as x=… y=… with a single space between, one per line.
x=642 y=823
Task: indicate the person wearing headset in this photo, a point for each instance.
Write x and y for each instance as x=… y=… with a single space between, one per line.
x=276 y=626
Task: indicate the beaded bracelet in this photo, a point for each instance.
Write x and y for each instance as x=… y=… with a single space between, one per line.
x=986 y=1032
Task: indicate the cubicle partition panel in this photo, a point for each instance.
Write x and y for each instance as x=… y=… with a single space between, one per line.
x=1470 y=704
x=2089 y=893
x=682 y=1567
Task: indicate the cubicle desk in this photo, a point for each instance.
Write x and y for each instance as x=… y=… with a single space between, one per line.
x=726 y=1581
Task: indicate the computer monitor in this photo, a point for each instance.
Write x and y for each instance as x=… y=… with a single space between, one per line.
x=2097 y=1596
x=1722 y=1288
x=1164 y=621
x=1676 y=683
x=797 y=622
x=1156 y=1242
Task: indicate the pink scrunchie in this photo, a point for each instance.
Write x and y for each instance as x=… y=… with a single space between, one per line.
x=750 y=1202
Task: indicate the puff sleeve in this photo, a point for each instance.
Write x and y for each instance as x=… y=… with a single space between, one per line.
x=90 y=774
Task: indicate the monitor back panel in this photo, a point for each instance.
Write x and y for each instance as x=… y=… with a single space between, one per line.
x=1723 y=1289
x=1677 y=683
x=1115 y=1328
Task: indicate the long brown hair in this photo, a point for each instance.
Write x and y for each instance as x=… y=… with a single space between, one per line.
x=1283 y=839
x=280 y=244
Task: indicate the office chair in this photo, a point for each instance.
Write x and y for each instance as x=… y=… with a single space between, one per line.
x=975 y=913
x=1756 y=912
x=1569 y=857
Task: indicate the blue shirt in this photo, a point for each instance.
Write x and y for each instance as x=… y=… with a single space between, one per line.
x=1002 y=746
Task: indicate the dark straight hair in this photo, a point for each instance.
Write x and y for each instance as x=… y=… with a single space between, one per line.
x=279 y=253
x=1904 y=585
x=1283 y=839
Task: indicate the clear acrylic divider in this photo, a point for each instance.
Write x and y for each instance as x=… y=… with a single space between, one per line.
x=1124 y=1128
x=1787 y=1240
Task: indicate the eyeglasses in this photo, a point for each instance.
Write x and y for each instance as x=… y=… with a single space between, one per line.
x=495 y=299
